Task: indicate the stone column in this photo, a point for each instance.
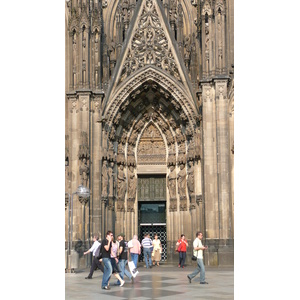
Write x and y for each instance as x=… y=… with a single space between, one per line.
x=210 y=163
x=74 y=162
x=223 y=158
x=95 y=172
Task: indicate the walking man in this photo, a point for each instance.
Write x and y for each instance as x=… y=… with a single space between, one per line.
x=123 y=256
x=147 y=248
x=106 y=260
x=95 y=263
x=198 y=252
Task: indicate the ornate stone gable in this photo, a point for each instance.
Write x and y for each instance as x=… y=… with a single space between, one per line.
x=150 y=45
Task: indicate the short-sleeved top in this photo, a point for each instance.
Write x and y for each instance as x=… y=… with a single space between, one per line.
x=182 y=245
x=136 y=247
x=123 y=255
x=197 y=243
x=147 y=242
x=114 y=250
x=106 y=254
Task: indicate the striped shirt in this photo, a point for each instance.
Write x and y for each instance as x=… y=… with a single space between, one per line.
x=147 y=243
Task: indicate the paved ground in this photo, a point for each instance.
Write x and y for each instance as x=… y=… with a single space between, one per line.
x=165 y=282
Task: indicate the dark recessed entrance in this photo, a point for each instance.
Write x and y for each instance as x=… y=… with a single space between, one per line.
x=152 y=209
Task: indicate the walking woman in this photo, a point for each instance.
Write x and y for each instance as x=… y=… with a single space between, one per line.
x=156 y=253
x=114 y=261
x=182 y=244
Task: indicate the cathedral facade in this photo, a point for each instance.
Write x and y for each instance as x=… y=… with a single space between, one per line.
x=150 y=122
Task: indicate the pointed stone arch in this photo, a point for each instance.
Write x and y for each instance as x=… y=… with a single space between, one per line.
x=150 y=73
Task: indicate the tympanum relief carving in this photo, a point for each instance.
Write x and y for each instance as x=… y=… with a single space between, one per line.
x=151 y=148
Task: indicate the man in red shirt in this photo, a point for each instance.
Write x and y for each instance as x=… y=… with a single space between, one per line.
x=182 y=244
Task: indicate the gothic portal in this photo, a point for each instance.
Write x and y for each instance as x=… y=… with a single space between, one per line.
x=149 y=121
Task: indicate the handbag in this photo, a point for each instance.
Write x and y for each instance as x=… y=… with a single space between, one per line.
x=194 y=257
x=133 y=269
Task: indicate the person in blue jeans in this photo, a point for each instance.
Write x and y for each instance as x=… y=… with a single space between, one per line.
x=123 y=257
x=106 y=260
x=135 y=249
x=198 y=252
x=147 y=248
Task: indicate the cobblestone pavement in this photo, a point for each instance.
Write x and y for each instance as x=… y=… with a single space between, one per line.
x=164 y=282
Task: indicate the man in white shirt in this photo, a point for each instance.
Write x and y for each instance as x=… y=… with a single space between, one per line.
x=198 y=252
x=95 y=263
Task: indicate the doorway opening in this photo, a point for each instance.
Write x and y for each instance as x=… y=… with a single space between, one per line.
x=152 y=220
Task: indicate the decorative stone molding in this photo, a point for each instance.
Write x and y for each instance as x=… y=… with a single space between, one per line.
x=198 y=199
x=74 y=105
x=83 y=200
x=85 y=102
x=149 y=45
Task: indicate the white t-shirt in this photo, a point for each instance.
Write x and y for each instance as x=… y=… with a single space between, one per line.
x=94 y=247
x=198 y=253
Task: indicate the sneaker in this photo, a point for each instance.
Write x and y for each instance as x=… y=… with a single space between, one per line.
x=182 y=267
x=106 y=288
x=178 y=266
x=88 y=277
x=204 y=282
x=189 y=278
x=122 y=283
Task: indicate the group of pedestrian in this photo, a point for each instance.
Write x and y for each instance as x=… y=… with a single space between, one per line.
x=198 y=248
x=151 y=250
x=114 y=256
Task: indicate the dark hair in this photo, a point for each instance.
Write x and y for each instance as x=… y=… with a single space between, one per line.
x=146 y=234
x=108 y=232
x=182 y=235
x=198 y=232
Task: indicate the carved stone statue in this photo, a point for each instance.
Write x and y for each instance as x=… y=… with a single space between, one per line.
x=121 y=183
x=171 y=181
x=132 y=183
x=190 y=182
x=182 y=181
x=84 y=171
x=111 y=179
